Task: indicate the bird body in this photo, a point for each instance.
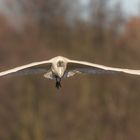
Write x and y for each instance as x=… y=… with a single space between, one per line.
x=61 y=67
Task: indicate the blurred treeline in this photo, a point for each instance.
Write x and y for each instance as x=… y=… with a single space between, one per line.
x=87 y=107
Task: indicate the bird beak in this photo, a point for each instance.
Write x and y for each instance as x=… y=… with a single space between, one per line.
x=60 y=72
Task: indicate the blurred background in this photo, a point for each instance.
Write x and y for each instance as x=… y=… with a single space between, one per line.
x=87 y=107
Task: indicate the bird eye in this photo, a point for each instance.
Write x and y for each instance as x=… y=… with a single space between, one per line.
x=60 y=64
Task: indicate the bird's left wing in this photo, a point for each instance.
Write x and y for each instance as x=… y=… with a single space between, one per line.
x=32 y=68
x=91 y=68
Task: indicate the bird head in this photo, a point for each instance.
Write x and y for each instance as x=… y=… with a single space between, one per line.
x=59 y=68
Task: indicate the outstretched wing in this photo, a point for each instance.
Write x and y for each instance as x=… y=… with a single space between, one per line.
x=86 y=67
x=33 y=68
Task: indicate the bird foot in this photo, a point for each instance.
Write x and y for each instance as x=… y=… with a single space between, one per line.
x=58 y=85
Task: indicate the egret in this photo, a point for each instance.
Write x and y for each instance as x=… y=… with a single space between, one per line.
x=60 y=67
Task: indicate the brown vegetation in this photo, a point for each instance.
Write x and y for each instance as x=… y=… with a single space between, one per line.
x=87 y=107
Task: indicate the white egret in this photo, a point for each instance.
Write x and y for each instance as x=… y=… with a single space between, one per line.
x=61 y=67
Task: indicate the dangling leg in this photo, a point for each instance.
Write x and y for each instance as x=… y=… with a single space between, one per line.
x=58 y=82
x=58 y=85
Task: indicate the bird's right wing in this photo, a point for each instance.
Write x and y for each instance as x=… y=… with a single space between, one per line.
x=91 y=68
x=32 y=68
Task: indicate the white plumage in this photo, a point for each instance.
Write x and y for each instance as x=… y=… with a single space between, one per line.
x=61 y=67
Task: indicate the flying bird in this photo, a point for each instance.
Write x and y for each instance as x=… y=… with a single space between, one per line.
x=60 y=67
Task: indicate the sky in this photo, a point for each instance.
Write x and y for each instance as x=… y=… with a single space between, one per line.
x=131 y=7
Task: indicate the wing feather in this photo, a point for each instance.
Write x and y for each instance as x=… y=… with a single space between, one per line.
x=32 y=68
x=91 y=68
